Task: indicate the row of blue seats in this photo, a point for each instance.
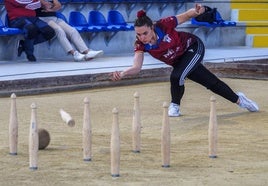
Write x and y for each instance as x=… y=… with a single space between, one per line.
x=214 y=24
x=96 y=22
x=98 y=4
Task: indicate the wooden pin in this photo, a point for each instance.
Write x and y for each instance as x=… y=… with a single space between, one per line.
x=115 y=145
x=66 y=117
x=136 y=125
x=165 y=137
x=212 y=130
x=13 y=127
x=86 y=132
x=33 y=140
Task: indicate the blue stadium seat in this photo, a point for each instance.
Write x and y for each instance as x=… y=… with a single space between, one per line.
x=97 y=19
x=6 y=30
x=214 y=24
x=61 y=16
x=219 y=22
x=79 y=21
x=117 y=19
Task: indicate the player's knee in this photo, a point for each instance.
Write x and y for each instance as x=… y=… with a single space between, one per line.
x=49 y=32
x=73 y=32
x=60 y=32
x=31 y=32
x=174 y=77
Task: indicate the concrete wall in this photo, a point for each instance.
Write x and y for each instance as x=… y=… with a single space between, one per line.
x=122 y=42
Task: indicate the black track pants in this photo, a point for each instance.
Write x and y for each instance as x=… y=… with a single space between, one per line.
x=189 y=66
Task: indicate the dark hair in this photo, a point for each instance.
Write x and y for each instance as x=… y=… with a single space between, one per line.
x=143 y=19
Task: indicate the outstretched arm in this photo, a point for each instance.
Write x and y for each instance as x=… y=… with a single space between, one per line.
x=133 y=70
x=193 y=12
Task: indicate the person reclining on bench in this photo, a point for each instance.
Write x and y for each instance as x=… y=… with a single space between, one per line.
x=66 y=34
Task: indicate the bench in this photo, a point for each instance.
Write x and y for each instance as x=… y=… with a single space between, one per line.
x=95 y=24
x=5 y=31
x=219 y=22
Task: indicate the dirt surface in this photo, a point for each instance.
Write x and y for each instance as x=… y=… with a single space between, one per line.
x=242 y=138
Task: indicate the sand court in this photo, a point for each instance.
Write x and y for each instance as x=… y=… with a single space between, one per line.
x=242 y=138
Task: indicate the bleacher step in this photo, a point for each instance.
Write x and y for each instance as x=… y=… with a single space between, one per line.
x=249 y=5
x=257 y=40
x=249 y=15
x=257 y=30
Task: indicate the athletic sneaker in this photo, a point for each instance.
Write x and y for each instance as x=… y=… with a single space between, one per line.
x=31 y=58
x=174 y=110
x=246 y=103
x=93 y=54
x=78 y=56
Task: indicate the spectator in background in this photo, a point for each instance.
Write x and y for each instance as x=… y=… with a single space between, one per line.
x=21 y=14
x=66 y=34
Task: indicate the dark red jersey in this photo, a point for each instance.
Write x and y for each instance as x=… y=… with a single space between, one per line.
x=21 y=8
x=170 y=45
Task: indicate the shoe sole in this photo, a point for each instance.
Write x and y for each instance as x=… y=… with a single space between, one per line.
x=97 y=55
x=174 y=115
x=79 y=60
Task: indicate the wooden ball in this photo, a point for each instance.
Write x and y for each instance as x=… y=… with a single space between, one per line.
x=44 y=138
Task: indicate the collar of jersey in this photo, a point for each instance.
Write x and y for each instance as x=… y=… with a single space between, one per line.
x=160 y=35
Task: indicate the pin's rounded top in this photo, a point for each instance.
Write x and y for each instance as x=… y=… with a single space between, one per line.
x=33 y=106
x=212 y=98
x=136 y=95
x=13 y=95
x=115 y=111
x=86 y=100
x=165 y=104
